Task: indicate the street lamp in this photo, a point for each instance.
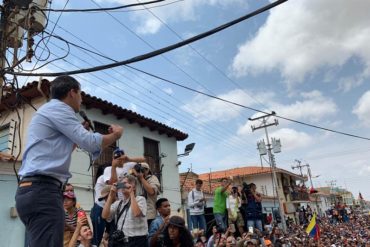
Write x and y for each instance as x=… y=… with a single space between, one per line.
x=187 y=150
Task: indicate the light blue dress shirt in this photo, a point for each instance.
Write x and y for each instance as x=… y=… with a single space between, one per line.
x=53 y=131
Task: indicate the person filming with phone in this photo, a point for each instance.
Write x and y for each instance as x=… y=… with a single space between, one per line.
x=254 y=207
x=128 y=214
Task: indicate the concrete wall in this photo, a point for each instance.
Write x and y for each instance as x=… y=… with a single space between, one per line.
x=12 y=231
x=132 y=142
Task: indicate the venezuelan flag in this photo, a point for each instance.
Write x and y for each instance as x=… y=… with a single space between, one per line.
x=313 y=228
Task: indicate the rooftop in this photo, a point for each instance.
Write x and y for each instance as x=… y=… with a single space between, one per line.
x=30 y=91
x=244 y=171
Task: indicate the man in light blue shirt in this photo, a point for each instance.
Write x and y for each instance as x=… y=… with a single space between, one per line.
x=53 y=134
x=159 y=223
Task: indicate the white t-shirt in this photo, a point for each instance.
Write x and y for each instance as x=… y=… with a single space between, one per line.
x=98 y=188
x=233 y=203
x=121 y=171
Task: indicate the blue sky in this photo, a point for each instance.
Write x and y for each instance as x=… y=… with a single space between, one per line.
x=307 y=60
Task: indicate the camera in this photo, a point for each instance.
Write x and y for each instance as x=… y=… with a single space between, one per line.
x=118 y=153
x=246 y=189
x=138 y=168
x=118 y=238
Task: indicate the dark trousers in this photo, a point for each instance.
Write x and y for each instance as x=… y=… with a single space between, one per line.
x=40 y=208
x=137 y=241
x=98 y=224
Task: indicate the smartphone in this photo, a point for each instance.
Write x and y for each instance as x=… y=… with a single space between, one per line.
x=250 y=229
x=121 y=186
x=81 y=214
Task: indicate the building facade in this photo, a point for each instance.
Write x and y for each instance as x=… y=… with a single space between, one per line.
x=142 y=137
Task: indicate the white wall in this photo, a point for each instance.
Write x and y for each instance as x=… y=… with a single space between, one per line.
x=12 y=231
x=132 y=142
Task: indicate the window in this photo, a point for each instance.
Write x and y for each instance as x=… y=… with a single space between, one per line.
x=4 y=138
x=151 y=153
x=107 y=153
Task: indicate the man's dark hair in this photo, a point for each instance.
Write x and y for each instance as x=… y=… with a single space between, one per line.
x=159 y=202
x=61 y=85
x=198 y=181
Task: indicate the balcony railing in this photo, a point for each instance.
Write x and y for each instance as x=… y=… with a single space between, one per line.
x=296 y=193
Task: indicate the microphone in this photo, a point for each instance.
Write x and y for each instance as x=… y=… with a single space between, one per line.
x=84 y=116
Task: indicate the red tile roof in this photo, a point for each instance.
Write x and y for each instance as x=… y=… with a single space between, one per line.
x=29 y=91
x=235 y=172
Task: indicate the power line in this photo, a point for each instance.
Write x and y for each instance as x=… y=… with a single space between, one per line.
x=247 y=107
x=203 y=57
x=103 y=9
x=200 y=133
x=230 y=102
x=106 y=57
x=159 y=51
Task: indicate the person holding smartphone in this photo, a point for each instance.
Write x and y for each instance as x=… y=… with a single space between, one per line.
x=71 y=216
x=128 y=215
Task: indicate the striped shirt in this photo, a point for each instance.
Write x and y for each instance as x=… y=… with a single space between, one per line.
x=72 y=219
x=133 y=226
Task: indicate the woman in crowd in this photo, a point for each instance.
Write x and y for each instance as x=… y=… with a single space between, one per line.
x=71 y=215
x=176 y=234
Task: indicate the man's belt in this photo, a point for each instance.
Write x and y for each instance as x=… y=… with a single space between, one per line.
x=42 y=179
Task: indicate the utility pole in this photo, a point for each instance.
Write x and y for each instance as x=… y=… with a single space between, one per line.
x=209 y=181
x=3 y=29
x=331 y=184
x=264 y=124
x=298 y=166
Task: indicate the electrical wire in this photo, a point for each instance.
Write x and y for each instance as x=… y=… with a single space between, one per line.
x=159 y=51
x=199 y=133
x=104 y=9
x=247 y=107
x=157 y=96
x=203 y=57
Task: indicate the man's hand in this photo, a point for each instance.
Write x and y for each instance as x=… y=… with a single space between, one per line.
x=113 y=189
x=116 y=130
x=130 y=189
x=86 y=125
x=139 y=175
x=115 y=162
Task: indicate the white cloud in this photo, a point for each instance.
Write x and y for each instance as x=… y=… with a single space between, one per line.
x=180 y=11
x=206 y=109
x=345 y=84
x=133 y=107
x=292 y=139
x=362 y=109
x=168 y=90
x=300 y=37
x=314 y=106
